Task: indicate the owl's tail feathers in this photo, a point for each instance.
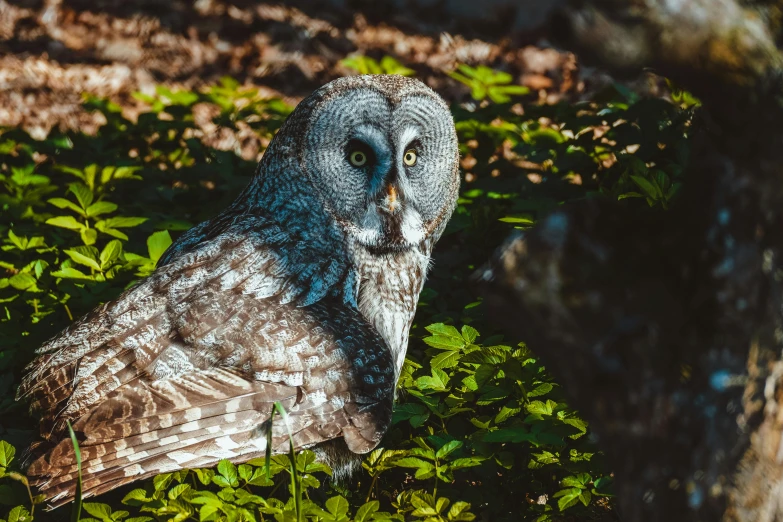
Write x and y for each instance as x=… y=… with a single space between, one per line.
x=144 y=430
x=105 y=468
x=52 y=391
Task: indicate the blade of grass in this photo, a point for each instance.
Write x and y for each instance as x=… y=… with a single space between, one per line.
x=295 y=486
x=268 y=455
x=297 y=490
x=76 y=512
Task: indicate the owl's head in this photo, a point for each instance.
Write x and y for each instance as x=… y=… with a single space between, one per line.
x=381 y=153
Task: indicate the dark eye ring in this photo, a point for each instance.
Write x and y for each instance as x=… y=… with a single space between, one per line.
x=359 y=154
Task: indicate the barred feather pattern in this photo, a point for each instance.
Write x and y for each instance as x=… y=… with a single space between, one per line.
x=277 y=299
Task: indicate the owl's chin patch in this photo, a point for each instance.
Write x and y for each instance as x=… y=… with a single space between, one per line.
x=383 y=232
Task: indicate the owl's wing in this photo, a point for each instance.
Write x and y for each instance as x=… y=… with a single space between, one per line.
x=183 y=369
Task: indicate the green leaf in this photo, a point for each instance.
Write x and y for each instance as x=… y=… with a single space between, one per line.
x=392 y=66
x=467 y=462
x=366 y=511
x=578 y=424
x=541 y=408
x=567 y=497
x=423 y=468
x=178 y=490
x=505 y=413
x=110 y=253
x=137 y=497
x=7 y=453
x=541 y=389
x=577 y=481
x=459 y=513
x=425 y=505
x=110 y=173
x=161 y=482
x=99 y=511
x=417 y=414
x=71 y=273
x=22 y=281
x=469 y=333
x=204 y=475
x=629 y=195
x=229 y=472
x=84 y=257
x=157 y=244
x=445 y=343
x=362 y=64
x=64 y=203
x=522 y=220
x=585 y=497
x=65 y=222
x=122 y=222
x=651 y=190
x=83 y=194
x=447 y=359
x=245 y=472
x=503 y=93
x=207 y=498
x=338 y=507
x=208 y=512
x=18 y=242
x=101 y=207
x=89 y=236
x=102 y=227
x=448 y=448
x=444 y=330
x=19 y=514
x=484 y=374
x=437 y=382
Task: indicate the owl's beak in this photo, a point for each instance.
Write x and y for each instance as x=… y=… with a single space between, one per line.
x=391 y=203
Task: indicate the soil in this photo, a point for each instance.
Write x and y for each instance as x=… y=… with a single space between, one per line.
x=53 y=51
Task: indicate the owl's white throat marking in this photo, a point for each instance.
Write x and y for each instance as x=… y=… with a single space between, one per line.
x=382 y=231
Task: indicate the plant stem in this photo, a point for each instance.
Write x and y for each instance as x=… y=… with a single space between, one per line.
x=21 y=478
x=372 y=485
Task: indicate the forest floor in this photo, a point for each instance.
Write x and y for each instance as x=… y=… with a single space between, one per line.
x=54 y=51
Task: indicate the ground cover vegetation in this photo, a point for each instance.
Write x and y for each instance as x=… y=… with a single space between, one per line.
x=481 y=431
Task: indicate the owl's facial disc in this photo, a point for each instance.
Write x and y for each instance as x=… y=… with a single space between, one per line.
x=384 y=166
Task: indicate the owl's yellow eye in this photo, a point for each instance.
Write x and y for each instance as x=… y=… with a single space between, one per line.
x=358 y=158
x=410 y=157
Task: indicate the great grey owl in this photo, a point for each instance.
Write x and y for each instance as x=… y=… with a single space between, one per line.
x=302 y=292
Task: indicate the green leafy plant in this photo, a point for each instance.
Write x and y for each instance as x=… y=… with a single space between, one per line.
x=488 y=83
x=366 y=65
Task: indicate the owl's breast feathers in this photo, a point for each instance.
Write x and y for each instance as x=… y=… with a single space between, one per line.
x=183 y=369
